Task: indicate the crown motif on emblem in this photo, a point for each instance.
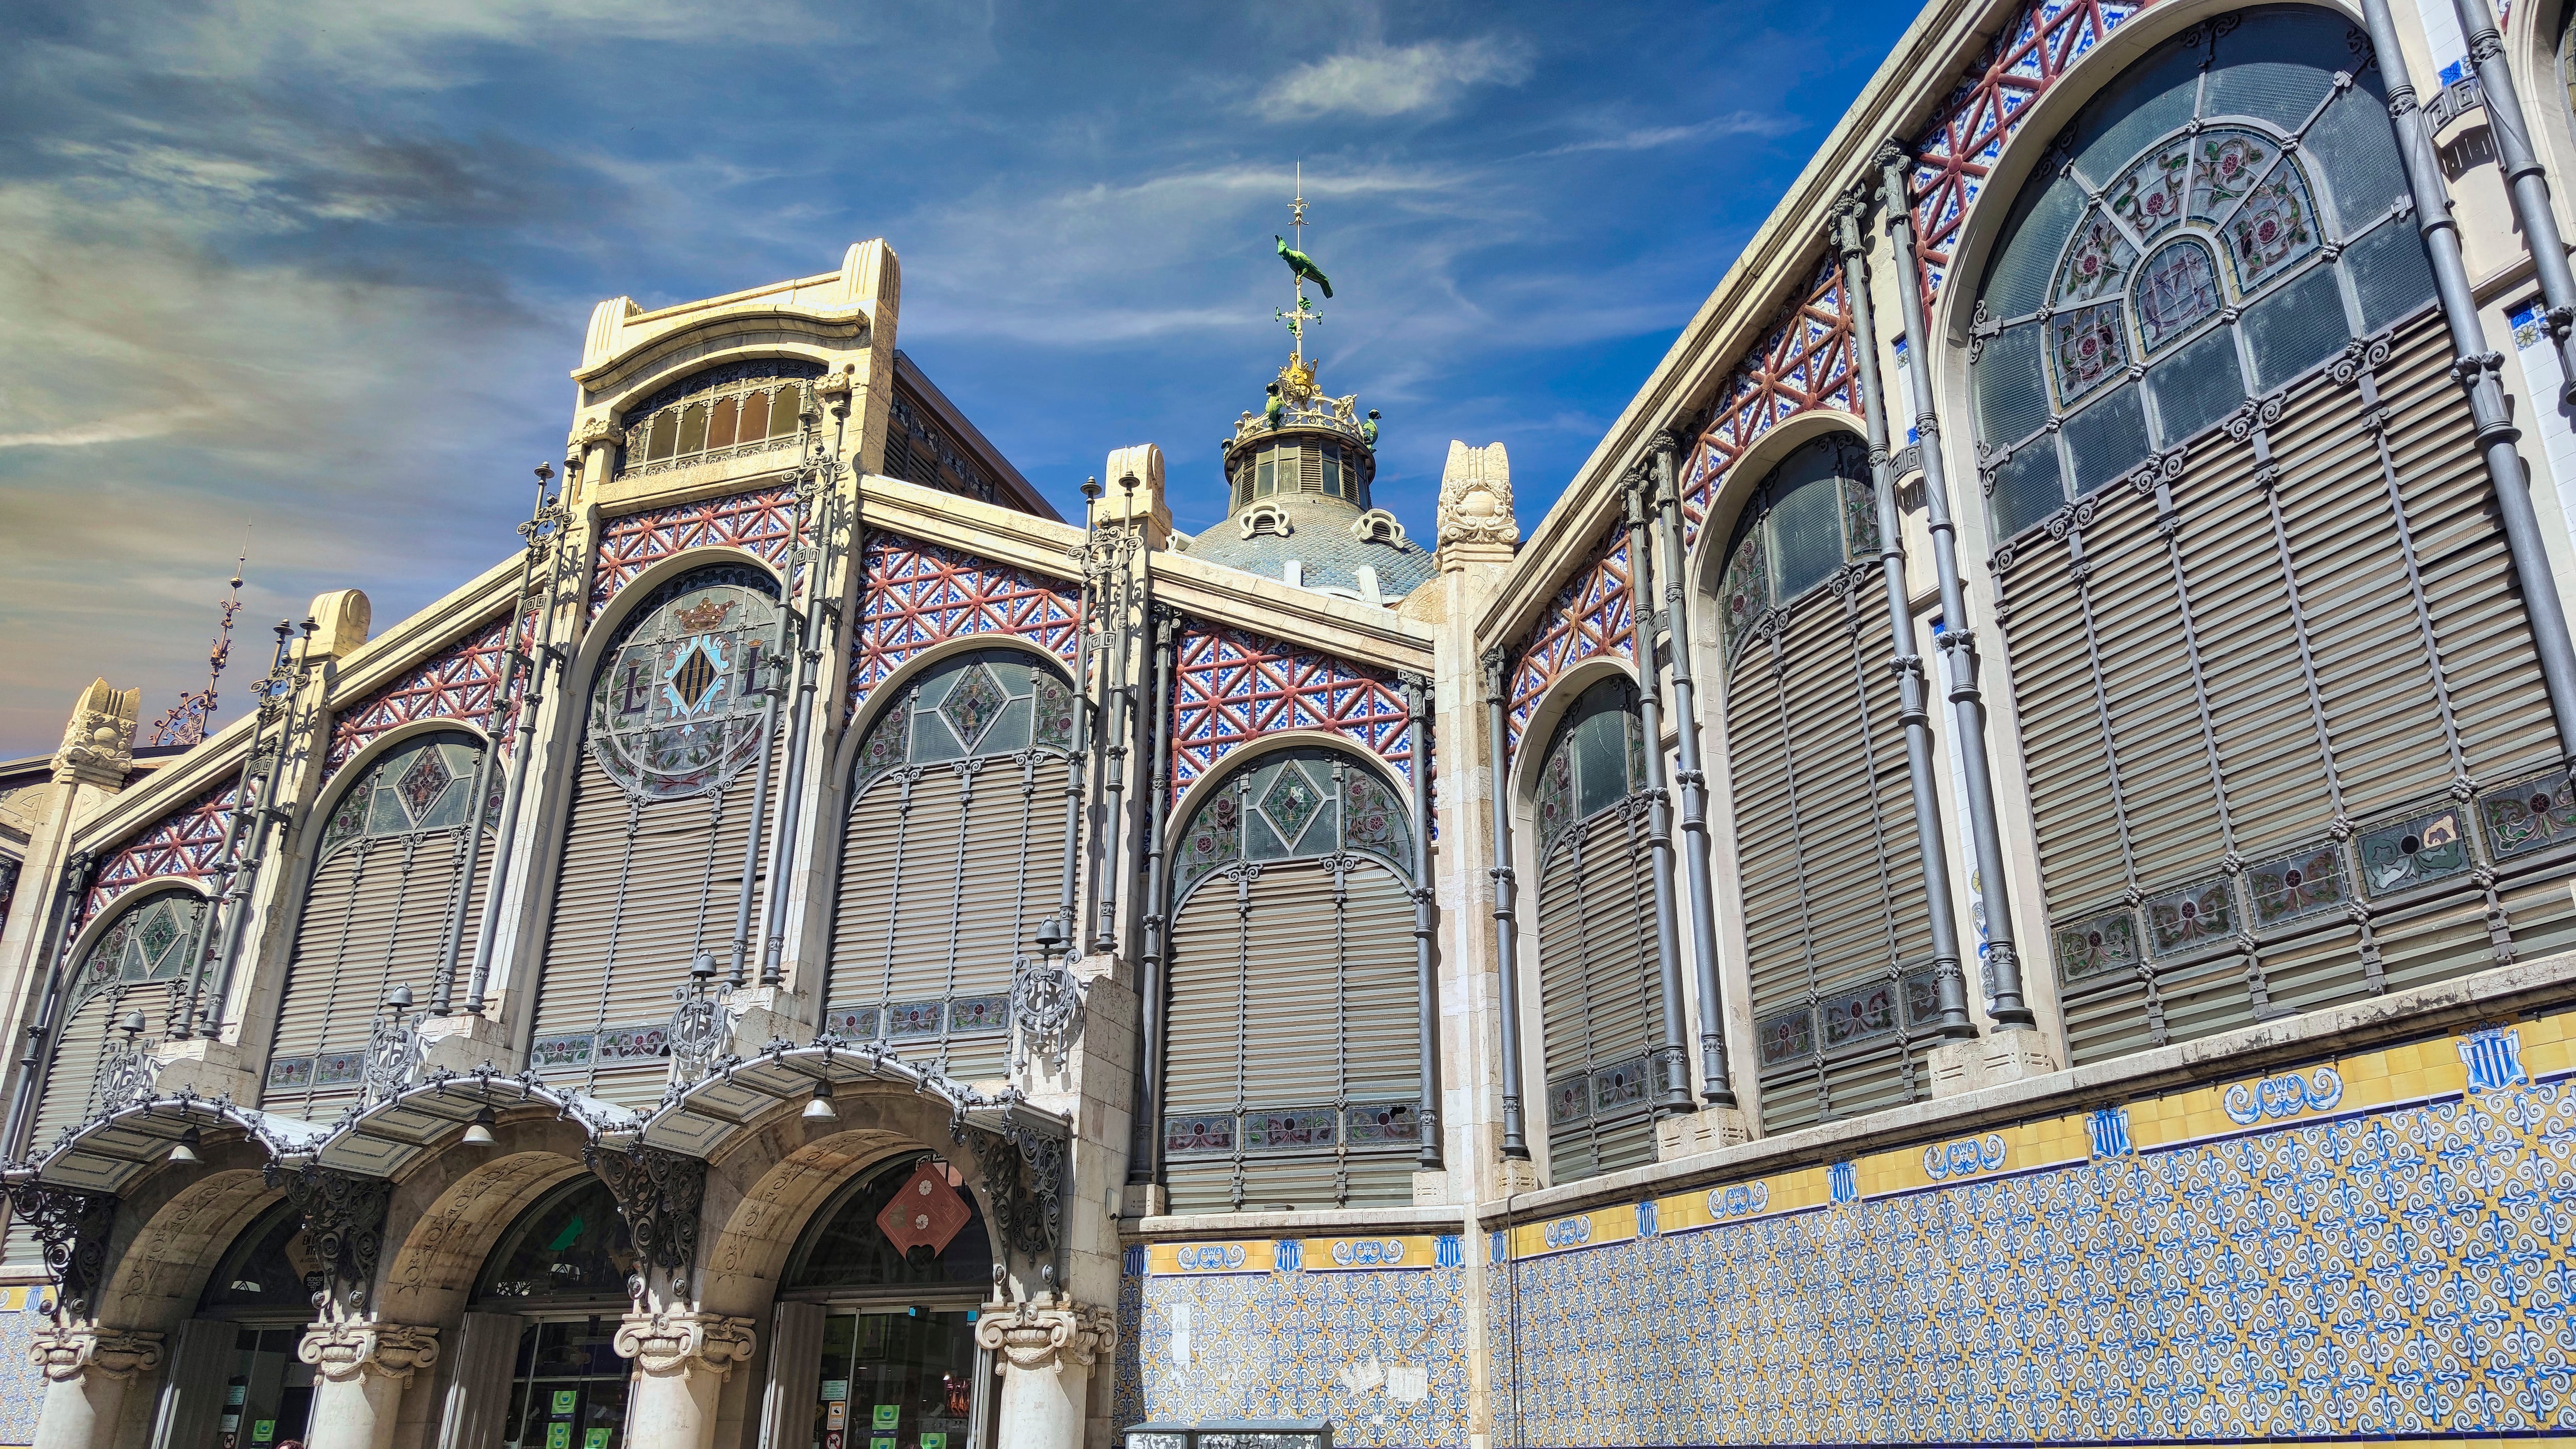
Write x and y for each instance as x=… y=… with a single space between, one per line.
x=701 y=617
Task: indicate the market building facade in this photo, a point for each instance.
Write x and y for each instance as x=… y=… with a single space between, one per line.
x=1995 y=867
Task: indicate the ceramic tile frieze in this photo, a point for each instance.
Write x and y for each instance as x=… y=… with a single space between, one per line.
x=1366 y=1330
x=2371 y=1247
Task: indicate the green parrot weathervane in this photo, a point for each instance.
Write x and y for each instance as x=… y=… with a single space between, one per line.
x=1302 y=269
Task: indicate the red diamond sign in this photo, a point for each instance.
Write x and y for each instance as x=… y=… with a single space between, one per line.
x=926 y=1211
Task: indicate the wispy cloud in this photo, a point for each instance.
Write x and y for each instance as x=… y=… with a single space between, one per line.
x=1653 y=138
x=1380 y=80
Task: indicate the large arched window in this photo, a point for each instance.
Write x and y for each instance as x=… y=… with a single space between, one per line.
x=562 y=1268
x=953 y=855
x=661 y=816
x=138 y=964
x=2277 y=710
x=1837 y=941
x=847 y=1246
x=385 y=894
x=264 y=1285
x=2191 y=245
x=1293 y=1072
x=1601 y=995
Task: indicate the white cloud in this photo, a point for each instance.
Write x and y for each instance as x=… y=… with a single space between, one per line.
x=1651 y=138
x=1381 y=80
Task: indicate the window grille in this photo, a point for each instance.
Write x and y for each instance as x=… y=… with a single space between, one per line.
x=2273 y=680
x=385 y=888
x=956 y=834
x=1838 y=944
x=1293 y=1072
x=733 y=411
x=1600 y=984
x=920 y=451
x=655 y=839
x=139 y=963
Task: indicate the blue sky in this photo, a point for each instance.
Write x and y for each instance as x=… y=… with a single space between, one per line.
x=321 y=269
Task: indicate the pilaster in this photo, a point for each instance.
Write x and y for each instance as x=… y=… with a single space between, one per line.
x=682 y=1359
x=1048 y=1346
x=361 y=1367
x=87 y=1369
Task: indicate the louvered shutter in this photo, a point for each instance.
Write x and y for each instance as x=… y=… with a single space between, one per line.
x=71 y=1084
x=1600 y=993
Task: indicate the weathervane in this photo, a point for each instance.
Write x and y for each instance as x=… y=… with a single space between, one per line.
x=1301 y=270
x=184 y=725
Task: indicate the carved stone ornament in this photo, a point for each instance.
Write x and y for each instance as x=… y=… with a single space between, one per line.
x=669 y=1341
x=98 y=744
x=348 y=1349
x=1047 y=1331
x=344 y=1226
x=1476 y=499
x=68 y=1351
x=592 y=433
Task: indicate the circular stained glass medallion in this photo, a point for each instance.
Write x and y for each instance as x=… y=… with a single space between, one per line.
x=676 y=710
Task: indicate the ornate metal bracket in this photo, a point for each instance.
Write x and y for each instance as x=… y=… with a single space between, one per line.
x=698 y=1025
x=344 y=1221
x=1046 y=1006
x=1024 y=1178
x=73 y=1226
x=658 y=1193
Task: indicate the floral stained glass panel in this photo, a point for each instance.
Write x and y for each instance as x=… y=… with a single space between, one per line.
x=2149 y=197
x=2229 y=164
x=2176 y=289
x=2088 y=350
x=2274 y=228
x=2097 y=263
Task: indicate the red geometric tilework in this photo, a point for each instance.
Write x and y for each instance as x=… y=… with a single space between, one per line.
x=763 y=523
x=1805 y=363
x=921 y=594
x=1954 y=157
x=187 y=843
x=1591 y=616
x=1233 y=687
x=457 y=684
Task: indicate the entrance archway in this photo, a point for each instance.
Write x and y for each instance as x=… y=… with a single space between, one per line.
x=561 y=1269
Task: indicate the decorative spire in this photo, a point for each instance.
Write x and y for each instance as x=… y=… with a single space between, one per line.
x=1301 y=270
x=185 y=723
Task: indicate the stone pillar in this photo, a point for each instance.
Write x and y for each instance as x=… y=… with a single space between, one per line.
x=1048 y=1346
x=681 y=1358
x=87 y=1371
x=360 y=1367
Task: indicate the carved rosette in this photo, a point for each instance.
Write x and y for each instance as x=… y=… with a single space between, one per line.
x=670 y=1341
x=347 y=1349
x=1047 y=1332
x=67 y=1351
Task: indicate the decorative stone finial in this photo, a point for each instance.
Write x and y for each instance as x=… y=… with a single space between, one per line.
x=98 y=745
x=1475 y=514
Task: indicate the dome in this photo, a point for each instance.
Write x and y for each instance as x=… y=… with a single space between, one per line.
x=1322 y=543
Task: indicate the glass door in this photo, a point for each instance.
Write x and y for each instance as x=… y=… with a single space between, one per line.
x=569 y=1390
x=269 y=1399
x=899 y=1379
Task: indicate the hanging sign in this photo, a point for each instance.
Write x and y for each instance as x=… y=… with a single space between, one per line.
x=925 y=1212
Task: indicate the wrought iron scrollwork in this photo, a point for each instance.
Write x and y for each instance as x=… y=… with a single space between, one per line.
x=394 y=1053
x=73 y=1227
x=344 y=1222
x=658 y=1193
x=1024 y=1180
x=698 y=1031
x=1046 y=1005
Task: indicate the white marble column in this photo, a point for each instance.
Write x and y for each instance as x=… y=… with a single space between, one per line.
x=682 y=1357
x=87 y=1371
x=1048 y=1346
x=360 y=1367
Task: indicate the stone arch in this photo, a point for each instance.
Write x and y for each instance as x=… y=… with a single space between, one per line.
x=182 y=1222
x=447 y=1213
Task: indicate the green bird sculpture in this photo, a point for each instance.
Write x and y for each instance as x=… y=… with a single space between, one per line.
x=1271 y=410
x=1303 y=265
x=1368 y=430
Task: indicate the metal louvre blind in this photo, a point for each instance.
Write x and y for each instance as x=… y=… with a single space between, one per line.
x=644 y=888
x=375 y=918
x=1600 y=993
x=939 y=891
x=71 y=1086
x=2228 y=722
x=1829 y=878
x=1283 y=1005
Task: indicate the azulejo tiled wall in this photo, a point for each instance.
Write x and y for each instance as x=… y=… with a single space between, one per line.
x=2375 y=1246
x=1369 y=1332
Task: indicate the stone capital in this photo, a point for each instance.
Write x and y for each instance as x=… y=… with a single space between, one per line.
x=346 y=1349
x=671 y=1341
x=1046 y=1332
x=67 y=1351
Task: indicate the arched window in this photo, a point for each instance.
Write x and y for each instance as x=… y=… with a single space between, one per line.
x=2188 y=247
x=2275 y=692
x=1293 y=1071
x=385 y=892
x=1837 y=941
x=846 y=1246
x=1601 y=995
x=952 y=857
x=138 y=964
x=264 y=1285
x=731 y=411
x=661 y=815
x=563 y=1268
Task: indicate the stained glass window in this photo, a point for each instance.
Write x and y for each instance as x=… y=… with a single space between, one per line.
x=1306 y=803
x=417 y=787
x=677 y=708
x=1596 y=760
x=982 y=703
x=740 y=408
x=1811 y=517
x=148 y=942
x=2267 y=170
